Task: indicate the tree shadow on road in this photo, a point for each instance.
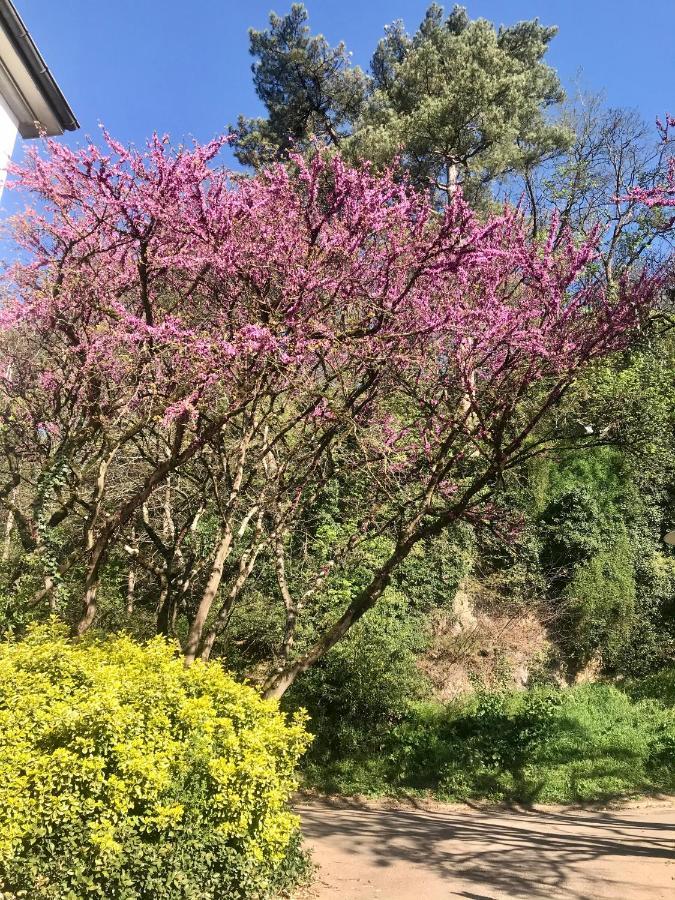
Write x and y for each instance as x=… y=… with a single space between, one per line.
x=523 y=853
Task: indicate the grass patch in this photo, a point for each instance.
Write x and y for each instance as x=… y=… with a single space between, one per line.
x=588 y=743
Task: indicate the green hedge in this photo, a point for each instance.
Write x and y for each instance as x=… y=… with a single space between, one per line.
x=125 y=775
x=588 y=743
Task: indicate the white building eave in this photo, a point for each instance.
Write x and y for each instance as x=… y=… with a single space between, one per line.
x=26 y=84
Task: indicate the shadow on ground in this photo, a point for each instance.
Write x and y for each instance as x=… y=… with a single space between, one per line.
x=482 y=854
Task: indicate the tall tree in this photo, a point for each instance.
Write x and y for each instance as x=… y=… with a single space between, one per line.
x=458 y=102
x=181 y=348
x=600 y=182
x=461 y=101
x=310 y=90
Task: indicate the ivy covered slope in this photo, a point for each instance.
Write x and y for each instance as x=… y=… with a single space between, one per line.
x=125 y=775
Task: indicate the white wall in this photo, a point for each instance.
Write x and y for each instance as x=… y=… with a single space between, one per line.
x=8 y=132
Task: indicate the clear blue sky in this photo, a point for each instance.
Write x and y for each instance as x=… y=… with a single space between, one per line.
x=183 y=67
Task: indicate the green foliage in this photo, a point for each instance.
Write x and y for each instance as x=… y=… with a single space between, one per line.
x=461 y=100
x=309 y=89
x=366 y=683
x=658 y=686
x=609 y=583
x=590 y=556
x=125 y=775
x=599 y=603
x=431 y=575
x=15 y=610
x=586 y=743
x=605 y=745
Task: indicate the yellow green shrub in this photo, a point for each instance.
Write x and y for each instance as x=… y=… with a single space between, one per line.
x=125 y=775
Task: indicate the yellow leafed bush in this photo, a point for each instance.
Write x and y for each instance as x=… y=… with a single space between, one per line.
x=125 y=775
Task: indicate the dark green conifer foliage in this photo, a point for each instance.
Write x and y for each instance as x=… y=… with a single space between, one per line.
x=458 y=102
x=309 y=88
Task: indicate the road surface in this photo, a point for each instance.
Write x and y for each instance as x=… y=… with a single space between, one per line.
x=367 y=851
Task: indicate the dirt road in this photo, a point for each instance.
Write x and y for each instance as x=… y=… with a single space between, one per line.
x=373 y=852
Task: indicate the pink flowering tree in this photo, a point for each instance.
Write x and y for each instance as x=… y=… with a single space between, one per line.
x=190 y=359
x=662 y=195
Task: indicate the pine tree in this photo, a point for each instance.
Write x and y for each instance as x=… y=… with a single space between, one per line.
x=310 y=90
x=461 y=101
x=458 y=102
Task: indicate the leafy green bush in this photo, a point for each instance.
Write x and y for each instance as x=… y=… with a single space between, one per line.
x=658 y=686
x=430 y=577
x=125 y=775
x=599 y=604
x=470 y=748
x=364 y=686
x=591 y=742
x=598 y=517
x=605 y=745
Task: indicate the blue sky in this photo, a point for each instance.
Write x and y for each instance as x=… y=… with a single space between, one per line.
x=184 y=68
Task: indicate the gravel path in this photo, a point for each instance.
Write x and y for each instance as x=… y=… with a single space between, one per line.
x=368 y=851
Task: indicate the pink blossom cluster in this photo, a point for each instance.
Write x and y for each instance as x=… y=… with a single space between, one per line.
x=662 y=194
x=155 y=286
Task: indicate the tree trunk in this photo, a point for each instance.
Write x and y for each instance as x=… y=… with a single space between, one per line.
x=209 y=595
x=291 y=605
x=9 y=525
x=164 y=603
x=278 y=683
x=49 y=590
x=131 y=576
x=245 y=568
x=222 y=552
x=89 y=607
